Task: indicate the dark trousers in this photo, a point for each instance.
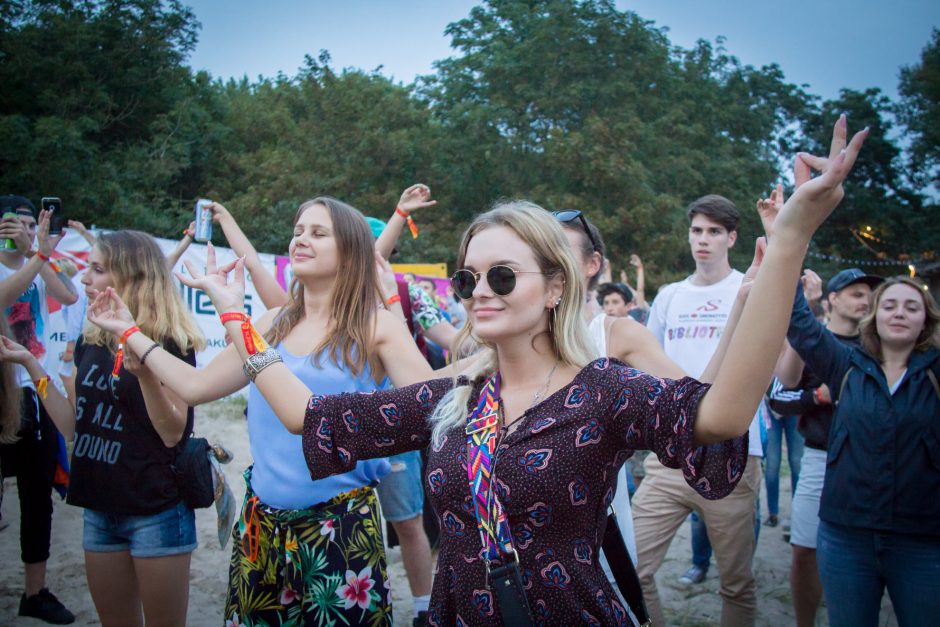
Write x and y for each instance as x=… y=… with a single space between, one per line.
x=32 y=460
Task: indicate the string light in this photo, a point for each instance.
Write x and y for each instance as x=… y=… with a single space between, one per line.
x=881 y=263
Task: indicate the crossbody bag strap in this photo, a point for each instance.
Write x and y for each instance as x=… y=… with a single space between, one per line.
x=505 y=580
x=621 y=565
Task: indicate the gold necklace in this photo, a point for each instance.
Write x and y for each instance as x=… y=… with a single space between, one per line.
x=535 y=399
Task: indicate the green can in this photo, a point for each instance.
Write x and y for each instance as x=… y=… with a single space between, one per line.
x=8 y=244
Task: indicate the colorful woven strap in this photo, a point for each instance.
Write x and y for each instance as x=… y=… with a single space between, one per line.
x=482 y=426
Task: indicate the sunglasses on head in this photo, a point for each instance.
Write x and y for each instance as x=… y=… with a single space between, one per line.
x=501 y=279
x=569 y=215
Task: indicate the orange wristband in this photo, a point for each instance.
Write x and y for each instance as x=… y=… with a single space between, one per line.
x=401 y=212
x=127 y=334
x=394 y=298
x=42 y=256
x=237 y=316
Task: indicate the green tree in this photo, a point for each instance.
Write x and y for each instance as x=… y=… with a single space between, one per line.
x=93 y=93
x=577 y=104
x=881 y=212
x=919 y=111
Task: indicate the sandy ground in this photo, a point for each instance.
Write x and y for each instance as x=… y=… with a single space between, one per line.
x=223 y=422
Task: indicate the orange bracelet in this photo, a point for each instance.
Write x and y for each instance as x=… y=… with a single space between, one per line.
x=127 y=334
x=42 y=256
x=229 y=316
x=394 y=298
x=401 y=212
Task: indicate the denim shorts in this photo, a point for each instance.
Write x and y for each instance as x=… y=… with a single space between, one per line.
x=171 y=532
x=401 y=492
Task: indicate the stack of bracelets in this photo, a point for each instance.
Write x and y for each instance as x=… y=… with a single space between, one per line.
x=260 y=356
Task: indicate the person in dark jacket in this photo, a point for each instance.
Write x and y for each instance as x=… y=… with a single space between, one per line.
x=848 y=295
x=880 y=511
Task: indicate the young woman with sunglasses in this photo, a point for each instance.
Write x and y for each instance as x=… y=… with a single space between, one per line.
x=308 y=551
x=138 y=534
x=563 y=423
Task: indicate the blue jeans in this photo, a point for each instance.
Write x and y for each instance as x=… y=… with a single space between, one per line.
x=702 y=547
x=772 y=457
x=855 y=566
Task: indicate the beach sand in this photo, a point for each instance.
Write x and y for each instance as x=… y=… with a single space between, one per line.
x=224 y=423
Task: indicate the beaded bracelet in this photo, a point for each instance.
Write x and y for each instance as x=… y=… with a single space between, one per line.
x=143 y=358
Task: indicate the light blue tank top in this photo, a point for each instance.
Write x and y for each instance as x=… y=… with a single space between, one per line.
x=280 y=477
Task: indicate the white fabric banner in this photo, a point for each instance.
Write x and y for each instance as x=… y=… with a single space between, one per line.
x=74 y=247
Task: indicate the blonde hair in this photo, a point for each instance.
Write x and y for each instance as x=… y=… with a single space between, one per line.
x=142 y=279
x=353 y=296
x=568 y=333
x=10 y=395
x=868 y=327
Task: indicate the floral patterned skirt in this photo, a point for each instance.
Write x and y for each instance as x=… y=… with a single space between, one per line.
x=324 y=565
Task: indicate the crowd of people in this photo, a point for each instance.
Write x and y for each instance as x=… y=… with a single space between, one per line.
x=549 y=414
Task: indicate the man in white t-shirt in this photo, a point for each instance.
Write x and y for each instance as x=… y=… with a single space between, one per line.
x=26 y=277
x=688 y=318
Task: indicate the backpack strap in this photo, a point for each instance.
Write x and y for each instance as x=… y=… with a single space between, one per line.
x=933 y=381
x=845 y=379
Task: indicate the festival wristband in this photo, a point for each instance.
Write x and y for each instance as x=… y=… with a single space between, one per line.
x=394 y=298
x=229 y=316
x=411 y=222
x=42 y=256
x=42 y=387
x=817 y=396
x=127 y=334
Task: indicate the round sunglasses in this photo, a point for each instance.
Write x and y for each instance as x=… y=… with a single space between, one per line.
x=501 y=279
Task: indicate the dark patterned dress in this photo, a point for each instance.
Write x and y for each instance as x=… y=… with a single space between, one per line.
x=555 y=476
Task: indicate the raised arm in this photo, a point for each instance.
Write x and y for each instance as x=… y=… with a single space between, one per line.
x=58 y=406
x=221 y=377
x=640 y=292
x=182 y=246
x=286 y=394
x=745 y=373
x=415 y=197
x=268 y=288
x=80 y=228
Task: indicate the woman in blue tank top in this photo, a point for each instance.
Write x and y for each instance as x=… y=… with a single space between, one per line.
x=307 y=552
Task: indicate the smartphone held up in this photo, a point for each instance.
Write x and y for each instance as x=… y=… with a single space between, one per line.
x=58 y=221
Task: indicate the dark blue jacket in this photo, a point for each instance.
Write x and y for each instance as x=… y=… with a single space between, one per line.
x=883 y=463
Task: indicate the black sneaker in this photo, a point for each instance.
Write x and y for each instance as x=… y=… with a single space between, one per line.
x=46 y=607
x=772 y=521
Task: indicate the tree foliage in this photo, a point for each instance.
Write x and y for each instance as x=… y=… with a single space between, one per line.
x=568 y=103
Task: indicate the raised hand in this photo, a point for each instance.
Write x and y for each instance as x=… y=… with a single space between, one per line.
x=219 y=213
x=46 y=242
x=226 y=295
x=418 y=196
x=760 y=246
x=190 y=231
x=635 y=261
x=109 y=313
x=12 y=352
x=812 y=285
x=816 y=198
x=78 y=227
x=386 y=276
x=768 y=208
